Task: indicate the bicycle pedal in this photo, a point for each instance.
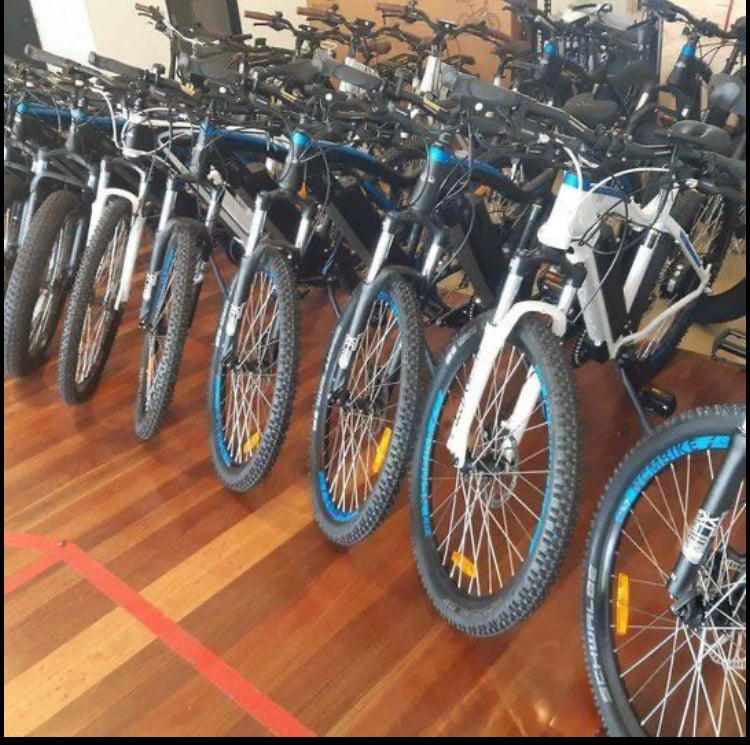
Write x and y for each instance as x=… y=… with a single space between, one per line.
x=657 y=401
x=733 y=344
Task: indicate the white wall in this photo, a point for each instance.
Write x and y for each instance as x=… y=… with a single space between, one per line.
x=73 y=28
x=64 y=27
x=119 y=32
x=111 y=27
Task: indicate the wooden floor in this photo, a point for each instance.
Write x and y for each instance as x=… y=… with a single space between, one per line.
x=142 y=599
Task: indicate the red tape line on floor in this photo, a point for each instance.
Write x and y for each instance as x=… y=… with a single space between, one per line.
x=25 y=575
x=224 y=677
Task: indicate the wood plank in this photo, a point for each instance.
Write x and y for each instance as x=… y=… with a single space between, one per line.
x=344 y=640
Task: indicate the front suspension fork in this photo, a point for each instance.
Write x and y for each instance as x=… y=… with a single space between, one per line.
x=696 y=546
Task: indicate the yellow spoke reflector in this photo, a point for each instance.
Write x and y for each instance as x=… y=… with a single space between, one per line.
x=465 y=564
x=482 y=192
x=382 y=451
x=622 y=621
x=251 y=444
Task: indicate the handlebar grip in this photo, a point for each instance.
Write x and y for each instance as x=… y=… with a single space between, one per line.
x=114 y=66
x=410 y=125
x=302 y=70
x=261 y=17
x=732 y=166
x=314 y=13
x=142 y=8
x=391 y=8
x=381 y=46
x=485 y=93
x=328 y=66
x=46 y=58
x=357 y=78
x=621 y=146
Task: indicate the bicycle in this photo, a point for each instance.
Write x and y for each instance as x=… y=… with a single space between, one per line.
x=500 y=424
x=55 y=218
x=367 y=402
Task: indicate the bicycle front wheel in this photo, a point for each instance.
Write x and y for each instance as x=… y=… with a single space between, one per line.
x=363 y=426
x=166 y=330
x=651 y=672
x=489 y=537
x=40 y=281
x=254 y=371
x=92 y=317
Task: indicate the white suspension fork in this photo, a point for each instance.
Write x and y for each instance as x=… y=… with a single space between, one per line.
x=131 y=255
x=257 y=225
x=103 y=192
x=138 y=221
x=496 y=332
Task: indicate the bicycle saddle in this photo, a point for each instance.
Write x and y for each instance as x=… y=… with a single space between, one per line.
x=703 y=137
x=728 y=93
x=591 y=112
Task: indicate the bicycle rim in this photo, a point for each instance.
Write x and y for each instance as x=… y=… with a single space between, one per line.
x=101 y=310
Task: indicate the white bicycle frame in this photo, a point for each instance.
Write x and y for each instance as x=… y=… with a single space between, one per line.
x=576 y=215
x=433 y=76
x=355 y=64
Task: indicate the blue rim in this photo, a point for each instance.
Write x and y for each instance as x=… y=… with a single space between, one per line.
x=429 y=439
x=662 y=461
x=218 y=387
x=333 y=511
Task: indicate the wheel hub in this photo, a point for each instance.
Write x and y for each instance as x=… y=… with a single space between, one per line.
x=499 y=461
x=721 y=610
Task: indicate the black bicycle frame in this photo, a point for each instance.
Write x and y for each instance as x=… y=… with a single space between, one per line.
x=420 y=219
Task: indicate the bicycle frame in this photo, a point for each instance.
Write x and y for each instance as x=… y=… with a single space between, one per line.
x=577 y=213
x=440 y=164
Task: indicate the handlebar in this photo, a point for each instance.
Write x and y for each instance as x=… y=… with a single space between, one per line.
x=260 y=17
x=497 y=35
x=391 y=9
x=303 y=71
x=47 y=58
x=377 y=47
x=672 y=12
x=328 y=66
x=316 y=14
x=734 y=167
x=149 y=9
x=114 y=66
